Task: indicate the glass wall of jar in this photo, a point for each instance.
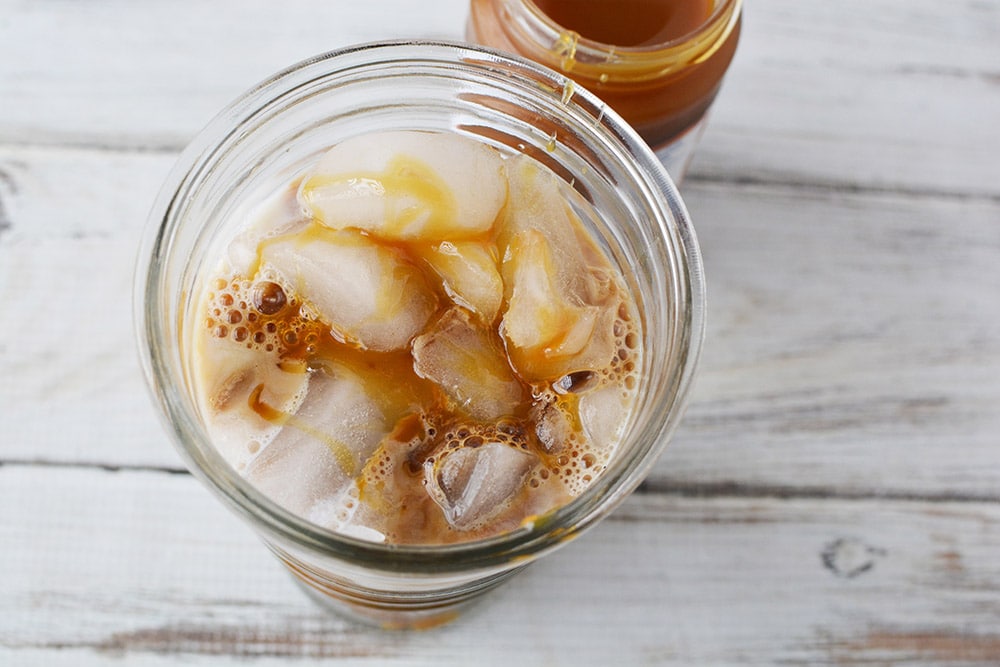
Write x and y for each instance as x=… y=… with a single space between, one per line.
x=511 y=104
x=658 y=63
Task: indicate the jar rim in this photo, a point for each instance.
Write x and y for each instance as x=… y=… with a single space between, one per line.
x=164 y=372
x=547 y=40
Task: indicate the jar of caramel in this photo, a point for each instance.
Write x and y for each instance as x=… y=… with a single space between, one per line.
x=658 y=63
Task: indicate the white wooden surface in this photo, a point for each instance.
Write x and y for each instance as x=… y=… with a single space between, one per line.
x=832 y=498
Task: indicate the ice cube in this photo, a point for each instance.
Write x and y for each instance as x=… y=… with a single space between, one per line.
x=227 y=375
x=279 y=213
x=473 y=484
x=553 y=427
x=561 y=298
x=469 y=365
x=540 y=200
x=308 y=466
x=469 y=273
x=408 y=185
x=540 y=315
x=365 y=291
x=602 y=414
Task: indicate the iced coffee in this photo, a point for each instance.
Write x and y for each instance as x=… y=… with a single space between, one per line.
x=416 y=340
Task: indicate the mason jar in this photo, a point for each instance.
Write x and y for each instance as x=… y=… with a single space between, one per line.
x=282 y=125
x=658 y=64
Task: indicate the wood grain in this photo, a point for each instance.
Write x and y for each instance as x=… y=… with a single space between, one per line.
x=853 y=343
x=831 y=497
x=853 y=339
x=135 y=565
x=148 y=76
x=71 y=388
x=896 y=94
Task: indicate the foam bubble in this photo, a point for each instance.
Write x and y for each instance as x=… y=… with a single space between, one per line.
x=568 y=426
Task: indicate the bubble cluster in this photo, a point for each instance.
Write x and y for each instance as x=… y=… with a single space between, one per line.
x=434 y=436
x=473 y=435
x=261 y=315
x=578 y=467
x=337 y=511
x=624 y=367
x=566 y=450
x=405 y=450
x=347 y=505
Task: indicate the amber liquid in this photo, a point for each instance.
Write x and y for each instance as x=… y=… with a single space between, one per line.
x=663 y=107
x=628 y=23
x=245 y=310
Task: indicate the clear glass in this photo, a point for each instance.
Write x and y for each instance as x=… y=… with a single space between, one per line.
x=513 y=104
x=664 y=89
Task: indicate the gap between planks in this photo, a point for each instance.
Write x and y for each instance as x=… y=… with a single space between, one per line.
x=760 y=179
x=665 y=488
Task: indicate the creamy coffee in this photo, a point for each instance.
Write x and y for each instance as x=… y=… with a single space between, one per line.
x=416 y=341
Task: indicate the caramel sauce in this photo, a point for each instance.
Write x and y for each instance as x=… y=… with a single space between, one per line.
x=391 y=482
x=405 y=178
x=662 y=61
x=258 y=312
x=628 y=22
x=341 y=451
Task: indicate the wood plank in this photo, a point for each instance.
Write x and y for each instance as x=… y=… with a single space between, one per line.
x=853 y=342
x=152 y=74
x=71 y=388
x=897 y=94
x=830 y=499
x=141 y=565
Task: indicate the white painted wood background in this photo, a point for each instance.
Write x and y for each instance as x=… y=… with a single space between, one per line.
x=832 y=498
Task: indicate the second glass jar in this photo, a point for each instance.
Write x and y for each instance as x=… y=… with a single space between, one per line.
x=658 y=64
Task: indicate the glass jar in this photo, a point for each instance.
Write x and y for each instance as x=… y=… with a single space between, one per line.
x=662 y=83
x=515 y=105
